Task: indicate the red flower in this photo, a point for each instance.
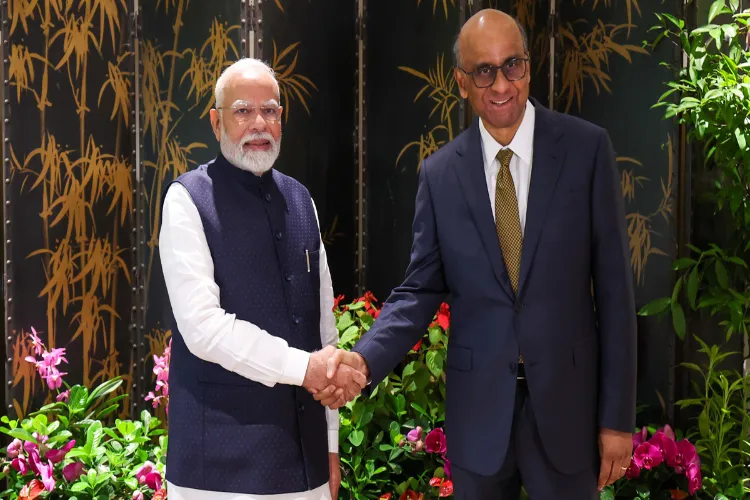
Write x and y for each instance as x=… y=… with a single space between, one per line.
x=31 y=490
x=445 y=485
x=411 y=495
x=160 y=495
x=444 y=316
x=337 y=301
x=678 y=494
x=385 y=496
x=417 y=345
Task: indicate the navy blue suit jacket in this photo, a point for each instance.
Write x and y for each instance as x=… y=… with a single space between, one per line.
x=579 y=347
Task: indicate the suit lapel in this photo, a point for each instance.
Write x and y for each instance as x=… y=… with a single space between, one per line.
x=470 y=174
x=546 y=164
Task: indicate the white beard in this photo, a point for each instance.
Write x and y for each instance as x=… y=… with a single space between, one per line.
x=257 y=162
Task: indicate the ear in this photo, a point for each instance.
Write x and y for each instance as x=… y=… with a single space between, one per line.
x=461 y=81
x=216 y=123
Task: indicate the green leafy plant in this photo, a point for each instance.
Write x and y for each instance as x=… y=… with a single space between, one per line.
x=392 y=443
x=70 y=449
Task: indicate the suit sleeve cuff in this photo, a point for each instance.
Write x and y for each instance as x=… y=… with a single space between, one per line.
x=295 y=367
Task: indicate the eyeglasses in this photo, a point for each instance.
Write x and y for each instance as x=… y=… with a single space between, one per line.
x=484 y=76
x=243 y=111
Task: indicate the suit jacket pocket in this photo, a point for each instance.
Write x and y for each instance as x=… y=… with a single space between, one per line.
x=459 y=358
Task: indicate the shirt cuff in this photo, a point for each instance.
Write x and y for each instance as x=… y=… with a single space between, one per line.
x=333 y=441
x=295 y=367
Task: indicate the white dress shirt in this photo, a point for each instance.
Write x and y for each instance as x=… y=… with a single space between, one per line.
x=522 y=146
x=215 y=335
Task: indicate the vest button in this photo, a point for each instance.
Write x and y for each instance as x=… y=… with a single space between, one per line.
x=268 y=196
x=278 y=235
x=295 y=318
x=288 y=277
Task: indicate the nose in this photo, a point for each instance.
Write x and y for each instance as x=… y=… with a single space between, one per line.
x=501 y=84
x=257 y=123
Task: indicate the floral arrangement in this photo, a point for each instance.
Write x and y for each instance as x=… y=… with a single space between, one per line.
x=66 y=450
x=662 y=467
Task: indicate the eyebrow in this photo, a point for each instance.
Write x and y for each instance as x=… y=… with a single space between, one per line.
x=269 y=102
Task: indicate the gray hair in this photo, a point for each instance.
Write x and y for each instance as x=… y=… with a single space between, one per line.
x=237 y=67
x=457 y=52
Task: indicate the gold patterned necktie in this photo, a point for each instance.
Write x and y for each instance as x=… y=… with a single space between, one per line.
x=507 y=220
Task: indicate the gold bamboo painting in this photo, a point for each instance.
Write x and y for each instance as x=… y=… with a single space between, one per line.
x=82 y=179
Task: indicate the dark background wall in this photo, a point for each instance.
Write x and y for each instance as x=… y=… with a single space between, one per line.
x=101 y=218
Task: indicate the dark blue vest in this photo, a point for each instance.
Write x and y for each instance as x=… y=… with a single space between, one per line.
x=228 y=433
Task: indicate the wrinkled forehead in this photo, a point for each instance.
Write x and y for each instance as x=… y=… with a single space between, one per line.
x=254 y=87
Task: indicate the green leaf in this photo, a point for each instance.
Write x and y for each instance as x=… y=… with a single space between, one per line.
x=721 y=274
x=104 y=389
x=607 y=494
x=356 y=306
x=704 y=424
x=738 y=261
x=94 y=435
x=131 y=483
x=684 y=263
x=356 y=437
x=344 y=321
x=655 y=307
x=692 y=287
x=436 y=335
x=79 y=487
x=741 y=141
x=678 y=320
x=408 y=369
x=21 y=434
x=349 y=334
x=435 y=362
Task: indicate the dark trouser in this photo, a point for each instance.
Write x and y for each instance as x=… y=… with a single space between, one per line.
x=526 y=464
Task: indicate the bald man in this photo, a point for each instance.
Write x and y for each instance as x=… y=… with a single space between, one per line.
x=514 y=220
x=252 y=300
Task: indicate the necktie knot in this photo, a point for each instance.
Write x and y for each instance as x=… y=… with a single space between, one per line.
x=504 y=156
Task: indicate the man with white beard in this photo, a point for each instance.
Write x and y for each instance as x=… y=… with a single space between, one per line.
x=253 y=329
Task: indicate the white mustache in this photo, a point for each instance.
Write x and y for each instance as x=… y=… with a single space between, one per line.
x=257 y=136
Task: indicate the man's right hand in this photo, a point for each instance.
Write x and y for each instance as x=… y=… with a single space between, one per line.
x=348 y=381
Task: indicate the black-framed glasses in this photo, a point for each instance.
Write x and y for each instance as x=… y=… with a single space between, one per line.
x=484 y=76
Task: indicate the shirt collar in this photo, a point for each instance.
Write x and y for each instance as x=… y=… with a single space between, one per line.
x=522 y=144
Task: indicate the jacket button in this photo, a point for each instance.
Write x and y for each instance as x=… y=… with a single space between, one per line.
x=278 y=235
x=288 y=277
x=518 y=306
x=301 y=407
x=295 y=318
x=268 y=196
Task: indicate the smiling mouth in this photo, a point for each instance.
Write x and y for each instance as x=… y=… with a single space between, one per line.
x=500 y=103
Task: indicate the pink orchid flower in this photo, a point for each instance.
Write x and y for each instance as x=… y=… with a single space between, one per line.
x=694 y=478
x=633 y=471
x=640 y=437
x=14 y=448
x=57 y=456
x=435 y=441
x=647 y=456
x=21 y=465
x=153 y=480
x=666 y=445
x=46 y=471
x=145 y=470
x=137 y=495
x=64 y=396
x=414 y=435
x=684 y=456
x=73 y=471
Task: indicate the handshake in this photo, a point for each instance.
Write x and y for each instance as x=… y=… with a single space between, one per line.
x=335 y=376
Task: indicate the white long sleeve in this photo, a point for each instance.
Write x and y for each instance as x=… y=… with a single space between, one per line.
x=213 y=334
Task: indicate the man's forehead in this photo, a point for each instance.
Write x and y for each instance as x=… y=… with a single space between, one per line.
x=492 y=50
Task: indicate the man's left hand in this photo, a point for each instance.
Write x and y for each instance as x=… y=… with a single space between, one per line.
x=615 y=449
x=334 y=480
